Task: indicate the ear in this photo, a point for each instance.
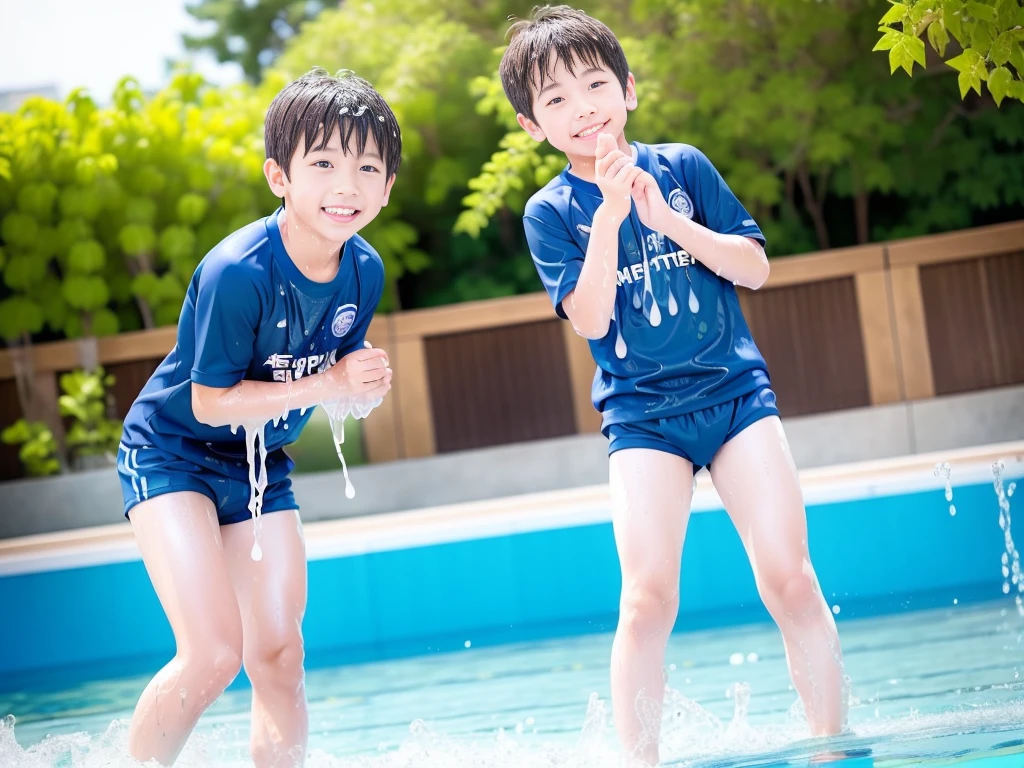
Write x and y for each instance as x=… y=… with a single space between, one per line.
x=275 y=177
x=387 y=190
x=530 y=127
x=631 y=101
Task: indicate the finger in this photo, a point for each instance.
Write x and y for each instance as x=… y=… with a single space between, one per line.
x=627 y=176
x=616 y=168
x=602 y=165
x=371 y=353
x=605 y=144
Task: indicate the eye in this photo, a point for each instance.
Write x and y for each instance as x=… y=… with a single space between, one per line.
x=322 y=163
x=596 y=83
x=370 y=169
x=555 y=100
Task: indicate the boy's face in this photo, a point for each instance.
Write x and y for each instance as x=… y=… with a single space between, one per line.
x=572 y=109
x=332 y=193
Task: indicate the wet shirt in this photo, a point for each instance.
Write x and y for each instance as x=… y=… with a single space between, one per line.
x=678 y=341
x=250 y=313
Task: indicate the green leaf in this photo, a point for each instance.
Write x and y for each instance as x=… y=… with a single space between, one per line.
x=981 y=12
x=889 y=38
x=999 y=83
x=907 y=50
x=895 y=14
x=1002 y=48
x=967 y=81
x=938 y=37
x=5 y=168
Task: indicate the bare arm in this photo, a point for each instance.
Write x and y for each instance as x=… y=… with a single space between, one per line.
x=735 y=257
x=363 y=373
x=589 y=306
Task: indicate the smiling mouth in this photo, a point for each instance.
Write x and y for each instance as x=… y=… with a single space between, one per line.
x=592 y=131
x=338 y=212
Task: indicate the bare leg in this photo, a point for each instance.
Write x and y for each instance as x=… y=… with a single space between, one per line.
x=651 y=493
x=179 y=537
x=272 y=598
x=757 y=480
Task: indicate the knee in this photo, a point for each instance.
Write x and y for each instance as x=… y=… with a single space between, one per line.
x=216 y=665
x=649 y=606
x=277 y=660
x=791 y=594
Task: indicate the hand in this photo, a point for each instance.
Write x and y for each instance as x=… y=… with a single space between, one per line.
x=363 y=374
x=615 y=173
x=650 y=203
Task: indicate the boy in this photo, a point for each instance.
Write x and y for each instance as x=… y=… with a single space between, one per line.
x=273 y=324
x=639 y=247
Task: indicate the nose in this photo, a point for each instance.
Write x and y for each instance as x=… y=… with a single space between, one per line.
x=345 y=181
x=585 y=108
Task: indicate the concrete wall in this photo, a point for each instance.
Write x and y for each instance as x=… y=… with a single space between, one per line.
x=94 y=498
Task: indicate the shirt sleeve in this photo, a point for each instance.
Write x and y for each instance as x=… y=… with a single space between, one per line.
x=717 y=208
x=227 y=316
x=557 y=257
x=355 y=338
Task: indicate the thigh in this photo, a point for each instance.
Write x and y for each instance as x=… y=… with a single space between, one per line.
x=179 y=537
x=757 y=479
x=651 y=493
x=271 y=591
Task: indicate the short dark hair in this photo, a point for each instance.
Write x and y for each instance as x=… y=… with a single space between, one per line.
x=552 y=34
x=312 y=105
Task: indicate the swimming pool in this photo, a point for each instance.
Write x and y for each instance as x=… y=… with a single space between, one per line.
x=498 y=615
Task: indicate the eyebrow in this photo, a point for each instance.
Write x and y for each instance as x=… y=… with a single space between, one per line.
x=374 y=155
x=556 y=84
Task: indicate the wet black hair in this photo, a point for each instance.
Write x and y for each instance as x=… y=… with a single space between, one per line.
x=552 y=34
x=313 y=105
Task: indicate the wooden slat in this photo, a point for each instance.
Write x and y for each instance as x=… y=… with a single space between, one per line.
x=411 y=390
x=581 y=375
x=911 y=332
x=810 y=338
x=957 y=246
x=500 y=385
x=473 y=315
x=825 y=265
x=380 y=429
x=878 y=337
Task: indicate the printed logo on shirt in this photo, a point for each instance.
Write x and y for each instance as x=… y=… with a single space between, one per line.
x=680 y=201
x=290 y=367
x=343 y=319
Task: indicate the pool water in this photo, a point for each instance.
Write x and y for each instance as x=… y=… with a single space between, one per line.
x=942 y=685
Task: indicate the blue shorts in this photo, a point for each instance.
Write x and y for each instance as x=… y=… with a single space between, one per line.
x=695 y=436
x=148 y=472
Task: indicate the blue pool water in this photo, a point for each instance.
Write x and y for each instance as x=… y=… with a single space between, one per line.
x=483 y=639
x=926 y=684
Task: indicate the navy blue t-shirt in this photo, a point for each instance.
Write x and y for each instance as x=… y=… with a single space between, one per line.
x=250 y=313
x=678 y=341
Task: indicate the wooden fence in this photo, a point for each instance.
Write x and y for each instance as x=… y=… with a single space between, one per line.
x=886 y=322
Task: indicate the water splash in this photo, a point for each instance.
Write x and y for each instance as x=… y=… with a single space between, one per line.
x=1011 y=557
x=945 y=471
x=257 y=482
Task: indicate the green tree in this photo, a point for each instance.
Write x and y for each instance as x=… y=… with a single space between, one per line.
x=813 y=136
x=420 y=55
x=251 y=34
x=985 y=38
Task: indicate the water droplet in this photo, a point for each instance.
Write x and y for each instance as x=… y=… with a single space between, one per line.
x=693 y=303
x=467 y=643
x=955 y=601
x=282 y=324
x=673 y=306
x=736 y=659
x=636 y=300
x=620 y=343
x=952 y=509
x=752 y=658
x=381 y=118
x=835 y=609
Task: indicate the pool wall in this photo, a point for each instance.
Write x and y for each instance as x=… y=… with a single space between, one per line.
x=882 y=539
